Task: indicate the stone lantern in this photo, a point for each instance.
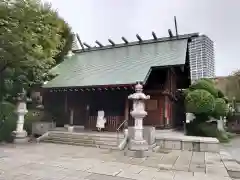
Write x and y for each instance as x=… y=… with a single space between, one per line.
x=20 y=135
x=137 y=144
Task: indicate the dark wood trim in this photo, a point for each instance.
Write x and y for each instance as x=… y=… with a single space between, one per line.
x=126 y=112
x=153 y=92
x=93 y=88
x=66 y=103
x=160 y=92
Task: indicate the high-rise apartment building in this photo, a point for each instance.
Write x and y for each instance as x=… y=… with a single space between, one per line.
x=202 y=61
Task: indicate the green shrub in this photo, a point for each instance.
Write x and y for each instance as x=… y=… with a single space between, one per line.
x=6 y=109
x=222 y=136
x=220 y=108
x=204 y=101
x=8 y=121
x=186 y=91
x=199 y=101
x=204 y=85
x=226 y=100
x=196 y=128
x=220 y=94
x=208 y=80
x=204 y=129
x=230 y=135
x=192 y=128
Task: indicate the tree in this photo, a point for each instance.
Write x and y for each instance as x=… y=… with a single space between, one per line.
x=33 y=38
x=236 y=73
x=233 y=86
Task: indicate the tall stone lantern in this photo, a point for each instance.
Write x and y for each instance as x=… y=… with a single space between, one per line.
x=137 y=145
x=20 y=135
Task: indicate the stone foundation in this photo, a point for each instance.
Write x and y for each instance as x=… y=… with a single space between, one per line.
x=20 y=137
x=148 y=135
x=189 y=143
x=137 y=154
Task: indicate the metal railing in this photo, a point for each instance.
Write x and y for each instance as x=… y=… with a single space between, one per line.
x=118 y=129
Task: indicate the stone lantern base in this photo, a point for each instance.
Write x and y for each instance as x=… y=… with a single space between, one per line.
x=137 y=149
x=20 y=137
x=138 y=145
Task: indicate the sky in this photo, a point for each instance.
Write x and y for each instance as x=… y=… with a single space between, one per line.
x=103 y=19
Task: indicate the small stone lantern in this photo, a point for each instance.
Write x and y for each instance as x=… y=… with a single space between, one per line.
x=20 y=135
x=137 y=144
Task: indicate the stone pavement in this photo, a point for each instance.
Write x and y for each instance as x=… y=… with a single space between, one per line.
x=64 y=162
x=233 y=147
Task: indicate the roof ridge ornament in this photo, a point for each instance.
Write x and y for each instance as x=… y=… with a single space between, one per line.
x=126 y=43
x=98 y=43
x=139 y=38
x=125 y=40
x=87 y=45
x=111 y=41
x=154 y=35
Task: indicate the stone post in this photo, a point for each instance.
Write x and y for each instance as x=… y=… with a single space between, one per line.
x=137 y=145
x=20 y=135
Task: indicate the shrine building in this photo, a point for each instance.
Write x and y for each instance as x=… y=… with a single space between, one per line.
x=102 y=78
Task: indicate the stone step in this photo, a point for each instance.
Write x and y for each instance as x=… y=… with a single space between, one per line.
x=99 y=139
x=69 y=143
x=98 y=142
x=68 y=139
x=105 y=141
x=107 y=138
x=100 y=135
x=108 y=147
x=80 y=143
x=111 y=143
x=69 y=136
x=88 y=138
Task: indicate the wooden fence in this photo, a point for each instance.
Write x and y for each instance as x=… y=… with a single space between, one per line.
x=112 y=122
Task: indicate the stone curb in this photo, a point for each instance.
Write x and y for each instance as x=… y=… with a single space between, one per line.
x=231 y=165
x=189 y=143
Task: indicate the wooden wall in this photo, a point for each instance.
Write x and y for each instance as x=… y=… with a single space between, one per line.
x=154 y=108
x=161 y=86
x=86 y=105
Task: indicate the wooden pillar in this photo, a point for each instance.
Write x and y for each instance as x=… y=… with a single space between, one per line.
x=86 y=123
x=126 y=113
x=168 y=88
x=166 y=111
x=163 y=111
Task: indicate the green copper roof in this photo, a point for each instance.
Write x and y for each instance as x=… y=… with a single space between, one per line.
x=116 y=66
